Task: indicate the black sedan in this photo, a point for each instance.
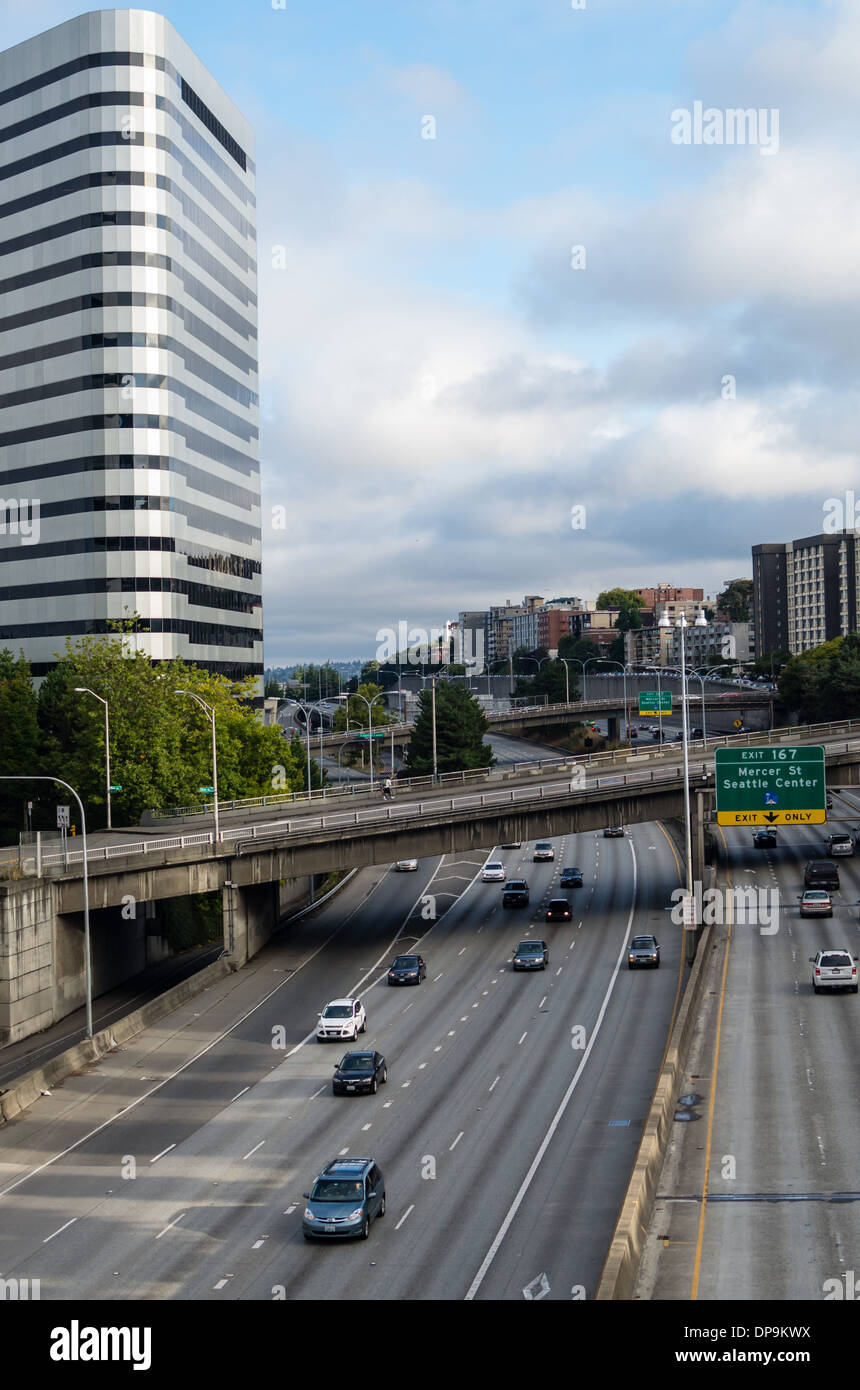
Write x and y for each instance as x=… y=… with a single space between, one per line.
x=558 y=910
x=613 y=832
x=407 y=970
x=359 y=1071
x=764 y=839
x=570 y=878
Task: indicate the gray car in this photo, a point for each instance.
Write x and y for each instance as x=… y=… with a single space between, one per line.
x=643 y=953
x=343 y=1201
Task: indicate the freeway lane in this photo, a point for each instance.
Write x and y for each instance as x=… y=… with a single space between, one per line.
x=782 y=1139
x=479 y=1061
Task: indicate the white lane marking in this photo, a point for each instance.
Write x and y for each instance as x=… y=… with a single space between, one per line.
x=258 y=1244
x=495 y=1083
x=242 y=1092
x=542 y=1002
x=344 y=1151
x=404 y=1216
x=387 y=1104
x=474 y=1006
x=485 y=991
x=462 y=953
x=163 y=1152
x=254 y=1150
x=456 y=1141
x=221 y=1282
x=558 y=972
x=438 y=977
x=408 y=1007
x=421 y=1066
x=494 y=982
x=438 y=1049
x=367 y=1126
x=318 y=1093
x=405 y=1084
x=565 y=1101
x=62 y=1228
x=523 y=1038
x=173 y=1223
x=464 y=1017
x=451 y=1032
x=289 y=1211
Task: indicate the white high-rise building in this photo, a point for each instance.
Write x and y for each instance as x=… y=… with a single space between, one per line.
x=129 y=466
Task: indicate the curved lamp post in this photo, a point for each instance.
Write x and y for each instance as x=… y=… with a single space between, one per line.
x=85 y=690
x=210 y=712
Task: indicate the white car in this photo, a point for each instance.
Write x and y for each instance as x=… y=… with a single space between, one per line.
x=406 y=866
x=342 y=1018
x=834 y=969
x=543 y=850
x=493 y=872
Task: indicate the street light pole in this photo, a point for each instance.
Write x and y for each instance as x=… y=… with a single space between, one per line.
x=682 y=624
x=85 y=690
x=88 y=971
x=210 y=711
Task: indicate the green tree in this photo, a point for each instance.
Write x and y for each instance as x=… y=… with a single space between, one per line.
x=628 y=602
x=460 y=728
x=19 y=735
x=161 y=742
x=577 y=648
x=824 y=683
x=735 y=601
x=272 y=688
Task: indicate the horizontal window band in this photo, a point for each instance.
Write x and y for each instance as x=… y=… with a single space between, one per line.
x=216 y=560
x=200 y=595
x=132 y=381
x=102 y=342
x=196 y=440
x=199 y=479
x=91 y=101
x=231 y=670
x=200 y=634
x=133 y=299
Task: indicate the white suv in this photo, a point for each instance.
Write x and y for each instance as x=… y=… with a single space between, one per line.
x=834 y=969
x=342 y=1018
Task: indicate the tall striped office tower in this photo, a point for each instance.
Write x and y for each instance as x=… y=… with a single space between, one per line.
x=129 y=468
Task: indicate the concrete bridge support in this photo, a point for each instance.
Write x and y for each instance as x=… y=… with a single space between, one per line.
x=251 y=913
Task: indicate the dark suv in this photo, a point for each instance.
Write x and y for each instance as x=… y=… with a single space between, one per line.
x=407 y=970
x=343 y=1201
x=359 y=1071
x=515 y=893
x=821 y=873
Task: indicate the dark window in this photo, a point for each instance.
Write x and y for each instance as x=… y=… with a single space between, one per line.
x=212 y=124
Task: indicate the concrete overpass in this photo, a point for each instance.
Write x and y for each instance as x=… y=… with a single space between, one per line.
x=41 y=919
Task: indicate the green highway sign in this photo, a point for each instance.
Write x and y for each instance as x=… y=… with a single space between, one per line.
x=377 y=733
x=771 y=786
x=652 y=702
x=206 y=789
x=116 y=789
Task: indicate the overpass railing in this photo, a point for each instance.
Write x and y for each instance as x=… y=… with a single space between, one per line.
x=507 y=770
x=399 y=812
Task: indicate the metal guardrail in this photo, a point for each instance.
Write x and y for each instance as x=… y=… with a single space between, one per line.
x=375 y=815
x=612 y=758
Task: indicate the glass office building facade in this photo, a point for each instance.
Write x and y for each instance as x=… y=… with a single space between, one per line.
x=129 y=461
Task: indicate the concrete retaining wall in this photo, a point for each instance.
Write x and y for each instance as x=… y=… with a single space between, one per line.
x=618 y=1278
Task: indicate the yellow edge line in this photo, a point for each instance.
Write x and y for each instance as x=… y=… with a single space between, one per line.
x=694 y=1291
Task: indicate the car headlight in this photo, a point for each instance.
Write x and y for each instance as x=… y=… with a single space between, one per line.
x=309 y=1215
x=354 y=1215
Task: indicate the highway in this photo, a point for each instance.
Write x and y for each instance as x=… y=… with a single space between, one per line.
x=775 y=1149
x=505 y=1147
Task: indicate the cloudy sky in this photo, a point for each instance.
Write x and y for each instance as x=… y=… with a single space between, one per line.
x=494 y=287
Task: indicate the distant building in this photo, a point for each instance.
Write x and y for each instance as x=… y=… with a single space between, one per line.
x=805 y=591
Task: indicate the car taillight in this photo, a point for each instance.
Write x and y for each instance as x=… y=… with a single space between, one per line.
x=817 y=971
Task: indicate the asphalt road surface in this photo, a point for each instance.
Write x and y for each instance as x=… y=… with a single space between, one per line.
x=506 y=1131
